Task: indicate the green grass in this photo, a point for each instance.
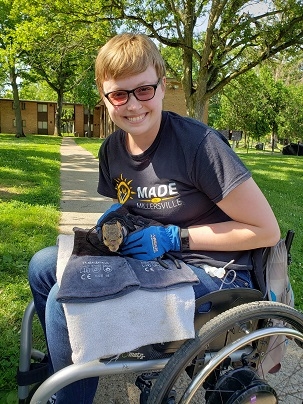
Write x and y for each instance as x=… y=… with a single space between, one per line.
x=280 y=178
x=90 y=144
x=29 y=201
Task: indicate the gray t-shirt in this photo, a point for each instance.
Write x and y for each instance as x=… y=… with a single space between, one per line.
x=178 y=179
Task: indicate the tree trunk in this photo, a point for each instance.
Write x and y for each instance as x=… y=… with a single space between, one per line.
x=196 y=98
x=58 y=114
x=89 y=132
x=17 y=106
x=205 y=112
x=274 y=136
x=197 y=107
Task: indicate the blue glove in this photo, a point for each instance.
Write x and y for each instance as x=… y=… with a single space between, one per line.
x=152 y=242
x=113 y=208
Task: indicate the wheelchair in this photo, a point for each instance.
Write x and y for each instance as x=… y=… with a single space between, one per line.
x=224 y=363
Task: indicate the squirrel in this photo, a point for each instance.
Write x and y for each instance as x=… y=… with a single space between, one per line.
x=113 y=235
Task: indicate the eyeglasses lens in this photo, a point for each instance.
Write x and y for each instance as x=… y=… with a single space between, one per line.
x=118 y=97
x=144 y=93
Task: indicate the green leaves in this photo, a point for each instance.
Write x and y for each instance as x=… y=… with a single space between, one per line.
x=9 y=397
x=56 y=42
x=208 y=43
x=262 y=104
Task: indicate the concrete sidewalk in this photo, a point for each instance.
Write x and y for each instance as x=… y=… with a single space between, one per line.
x=82 y=206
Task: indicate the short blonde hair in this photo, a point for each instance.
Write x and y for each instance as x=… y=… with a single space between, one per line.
x=125 y=55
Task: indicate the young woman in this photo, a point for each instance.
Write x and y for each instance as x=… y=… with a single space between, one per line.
x=169 y=168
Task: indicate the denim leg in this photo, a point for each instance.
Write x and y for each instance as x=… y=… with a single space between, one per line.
x=42 y=277
x=210 y=284
x=60 y=352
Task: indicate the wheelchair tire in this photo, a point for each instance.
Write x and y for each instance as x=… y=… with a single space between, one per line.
x=229 y=326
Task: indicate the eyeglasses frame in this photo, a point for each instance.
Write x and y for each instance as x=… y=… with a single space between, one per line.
x=155 y=86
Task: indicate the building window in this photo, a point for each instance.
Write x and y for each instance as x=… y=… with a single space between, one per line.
x=42 y=107
x=42 y=125
x=23 y=123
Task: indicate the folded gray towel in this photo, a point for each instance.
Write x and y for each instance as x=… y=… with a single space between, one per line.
x=112 y=327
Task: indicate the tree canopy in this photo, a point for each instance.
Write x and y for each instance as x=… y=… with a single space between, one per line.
x=219 y=39
x=206 y=44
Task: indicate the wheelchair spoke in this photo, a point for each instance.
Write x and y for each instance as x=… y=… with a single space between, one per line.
x=243 y=376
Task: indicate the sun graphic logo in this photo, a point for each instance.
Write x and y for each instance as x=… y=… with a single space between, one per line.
x=124 y=189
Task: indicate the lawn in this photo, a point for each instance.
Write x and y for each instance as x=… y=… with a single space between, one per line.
x=281 y=178
x=90 y=144
x=30 y=200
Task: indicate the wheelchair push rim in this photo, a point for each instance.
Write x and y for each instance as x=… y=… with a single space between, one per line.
x=174 y=382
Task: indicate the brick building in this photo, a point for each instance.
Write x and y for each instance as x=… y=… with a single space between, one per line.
x=38 y=117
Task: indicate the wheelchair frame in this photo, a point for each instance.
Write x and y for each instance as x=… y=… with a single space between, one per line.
x=168 y=354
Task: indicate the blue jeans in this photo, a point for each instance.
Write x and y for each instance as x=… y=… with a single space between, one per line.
x=43 y=283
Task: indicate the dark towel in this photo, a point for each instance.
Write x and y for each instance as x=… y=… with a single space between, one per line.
x=93 y=279
x=152 y=275
x=90 y=276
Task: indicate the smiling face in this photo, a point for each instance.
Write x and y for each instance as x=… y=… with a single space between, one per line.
x=139 y=119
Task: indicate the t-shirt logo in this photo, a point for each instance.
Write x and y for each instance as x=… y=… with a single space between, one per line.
x=159 y=196
x=124 y=189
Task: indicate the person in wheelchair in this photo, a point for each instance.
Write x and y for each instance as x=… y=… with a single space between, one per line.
x=171 y=169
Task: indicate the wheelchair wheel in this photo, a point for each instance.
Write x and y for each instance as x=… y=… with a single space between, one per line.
x=241 y=377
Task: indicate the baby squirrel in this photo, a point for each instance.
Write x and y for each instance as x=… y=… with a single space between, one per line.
x=113 y=235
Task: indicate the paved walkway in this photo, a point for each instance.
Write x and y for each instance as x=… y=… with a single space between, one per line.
x=81 y=206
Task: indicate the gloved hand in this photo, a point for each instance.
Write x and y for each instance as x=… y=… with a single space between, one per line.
x=152 y=242
x=101 y=220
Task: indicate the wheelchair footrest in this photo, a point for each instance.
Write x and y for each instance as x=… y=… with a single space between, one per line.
x=38 y=372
